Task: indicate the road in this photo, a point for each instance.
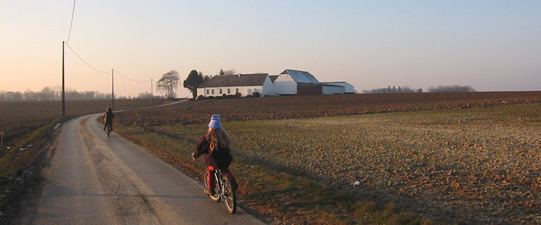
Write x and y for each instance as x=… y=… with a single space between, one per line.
x=93 y=179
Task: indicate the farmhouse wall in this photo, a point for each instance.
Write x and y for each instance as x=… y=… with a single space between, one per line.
x=220 y=91
x=285 y=85
x=268 y=88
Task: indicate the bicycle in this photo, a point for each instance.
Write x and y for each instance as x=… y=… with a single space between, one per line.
x=109 y=129
x=222 y=190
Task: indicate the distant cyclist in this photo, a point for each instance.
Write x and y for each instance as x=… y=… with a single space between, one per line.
x=216 y=146
x=108 y=118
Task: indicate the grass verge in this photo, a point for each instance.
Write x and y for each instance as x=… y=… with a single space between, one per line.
x=273 y=194
x=20 y=168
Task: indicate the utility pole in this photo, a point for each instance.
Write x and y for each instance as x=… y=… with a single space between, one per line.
x=113 y=87
x=63 y=89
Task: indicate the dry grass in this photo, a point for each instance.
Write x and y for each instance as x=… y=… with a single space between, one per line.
x=477 y=165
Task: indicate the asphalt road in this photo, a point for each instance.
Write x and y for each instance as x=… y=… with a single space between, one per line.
x=93 y=179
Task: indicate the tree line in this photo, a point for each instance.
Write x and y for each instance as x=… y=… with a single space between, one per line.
x=440 y=89
x=167 y=85
x=55 y=94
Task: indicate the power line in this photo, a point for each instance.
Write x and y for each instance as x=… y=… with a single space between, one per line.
x=101 y=71
x=127 y=78
x=69 y=36
x=71 y=24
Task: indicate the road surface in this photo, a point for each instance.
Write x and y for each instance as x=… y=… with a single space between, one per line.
x=93 y=179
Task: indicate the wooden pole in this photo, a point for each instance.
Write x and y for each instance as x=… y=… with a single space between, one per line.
x=63 y=87
x=113 y=88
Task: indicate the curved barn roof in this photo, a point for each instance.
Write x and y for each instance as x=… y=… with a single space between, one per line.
x=301 y=76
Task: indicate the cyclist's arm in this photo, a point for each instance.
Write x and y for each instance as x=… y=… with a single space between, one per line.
x=201 y=147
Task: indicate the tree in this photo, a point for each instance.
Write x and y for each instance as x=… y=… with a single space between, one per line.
x=168 y=83
x=193 y=81
x=227 y=72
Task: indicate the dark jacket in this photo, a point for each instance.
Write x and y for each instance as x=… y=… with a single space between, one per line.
x=108 y=116
x=220 y=158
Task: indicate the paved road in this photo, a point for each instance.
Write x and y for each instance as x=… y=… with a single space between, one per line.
x=93 y=179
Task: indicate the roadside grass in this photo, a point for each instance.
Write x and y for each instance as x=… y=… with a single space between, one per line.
x=26 y=151
x=275 y=193
x=19 y=170
x=276 y=196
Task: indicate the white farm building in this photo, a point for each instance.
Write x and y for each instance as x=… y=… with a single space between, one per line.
x=289 y=82
x=245 y=84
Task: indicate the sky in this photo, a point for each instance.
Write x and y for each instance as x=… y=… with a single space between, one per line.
x=489 y=45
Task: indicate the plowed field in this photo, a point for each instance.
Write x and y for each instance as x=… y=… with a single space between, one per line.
x=470 y=158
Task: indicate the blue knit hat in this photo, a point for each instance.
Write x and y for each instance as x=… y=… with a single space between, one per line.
x=215 y=122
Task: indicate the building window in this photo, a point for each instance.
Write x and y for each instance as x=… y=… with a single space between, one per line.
x=228 y=91
x=220 y=91
x=212 y=91
x=237 y=91
x=208 y=91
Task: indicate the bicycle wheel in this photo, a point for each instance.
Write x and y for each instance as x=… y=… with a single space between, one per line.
x=109 y=129
x=230 y=196
x=216 y=196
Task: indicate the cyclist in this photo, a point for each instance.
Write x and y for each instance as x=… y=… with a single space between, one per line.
x=216 y=146
x=108 y=118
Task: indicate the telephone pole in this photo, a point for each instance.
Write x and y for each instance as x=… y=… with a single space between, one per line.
x=63 y=89
x=113 y=88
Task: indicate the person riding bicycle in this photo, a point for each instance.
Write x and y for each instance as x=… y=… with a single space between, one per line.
x=216 y=146
x=108 y=118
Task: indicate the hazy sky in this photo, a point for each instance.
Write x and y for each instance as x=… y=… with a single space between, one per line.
x=490 y=45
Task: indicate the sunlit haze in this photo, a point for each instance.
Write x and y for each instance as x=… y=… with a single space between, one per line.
x=488 y=45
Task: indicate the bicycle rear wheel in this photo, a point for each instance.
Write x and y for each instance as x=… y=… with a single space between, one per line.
x=109 y=129
x=230 y=196
x=216 y=196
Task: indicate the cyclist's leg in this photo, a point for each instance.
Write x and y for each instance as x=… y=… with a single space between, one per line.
x=232 y=179
x=211 y=180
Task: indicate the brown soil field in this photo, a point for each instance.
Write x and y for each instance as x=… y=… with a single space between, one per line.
x=289 y=107
x=17 y=118
x=475 y=166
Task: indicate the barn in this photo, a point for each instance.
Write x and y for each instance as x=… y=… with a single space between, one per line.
x=348 y=88
x=296 y=82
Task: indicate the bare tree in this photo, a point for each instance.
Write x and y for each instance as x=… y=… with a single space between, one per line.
x=227 y=72
x=168 y=83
